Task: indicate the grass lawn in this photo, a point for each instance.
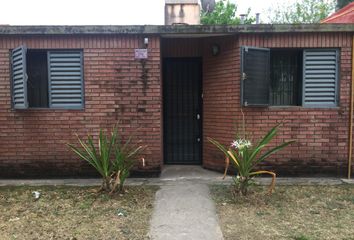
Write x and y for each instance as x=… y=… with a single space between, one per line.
x=75 y=213
x=292 y=212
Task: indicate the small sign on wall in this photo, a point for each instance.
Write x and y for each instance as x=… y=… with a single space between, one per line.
x=141 y=53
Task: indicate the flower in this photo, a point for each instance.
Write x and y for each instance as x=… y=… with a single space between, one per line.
x=241 y=144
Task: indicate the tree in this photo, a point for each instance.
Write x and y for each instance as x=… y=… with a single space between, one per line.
x=224 y=13
x=303 y=11
x=343 y=3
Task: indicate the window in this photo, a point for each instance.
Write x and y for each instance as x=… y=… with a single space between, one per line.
x=47 y=79
x=285 y=77
x=37 y=82
x=300 y=77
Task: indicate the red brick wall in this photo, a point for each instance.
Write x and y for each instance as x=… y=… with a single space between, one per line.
x=321 y=134
x=181 y=47
x=32 y=142
x=220 y=97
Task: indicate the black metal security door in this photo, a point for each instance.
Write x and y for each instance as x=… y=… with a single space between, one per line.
x=182 y=110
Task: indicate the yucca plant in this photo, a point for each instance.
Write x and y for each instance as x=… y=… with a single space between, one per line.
x=99 y=158
x=126 y=155
x=113 y=159
x=245 y=158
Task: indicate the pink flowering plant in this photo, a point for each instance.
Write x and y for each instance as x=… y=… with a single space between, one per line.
x=245 y=156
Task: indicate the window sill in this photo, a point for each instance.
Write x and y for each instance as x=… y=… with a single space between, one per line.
x=47 y=109
x=295 y=108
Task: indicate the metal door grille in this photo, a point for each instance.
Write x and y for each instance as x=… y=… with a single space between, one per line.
x=182 y=111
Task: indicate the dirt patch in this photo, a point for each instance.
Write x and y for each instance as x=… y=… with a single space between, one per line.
x=292 y=212
x=75 y=213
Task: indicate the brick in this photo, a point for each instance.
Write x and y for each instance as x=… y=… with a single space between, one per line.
x=308 y=126
x=33 y=141
x=39 y=136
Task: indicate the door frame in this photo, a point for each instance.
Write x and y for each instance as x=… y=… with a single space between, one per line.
x=200 y=62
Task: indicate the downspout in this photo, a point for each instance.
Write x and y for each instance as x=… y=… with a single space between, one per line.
x=351 y=118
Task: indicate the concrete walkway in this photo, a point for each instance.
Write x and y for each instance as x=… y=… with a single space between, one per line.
x=183 y=208
x=170 y=174
x=184 y=211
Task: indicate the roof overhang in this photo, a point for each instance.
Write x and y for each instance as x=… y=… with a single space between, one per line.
x=174 y=30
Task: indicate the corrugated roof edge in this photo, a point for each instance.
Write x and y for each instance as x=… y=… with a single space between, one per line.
x=174 y=29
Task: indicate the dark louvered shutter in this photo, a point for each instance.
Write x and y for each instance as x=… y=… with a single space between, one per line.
x=320 y=77
x=65 y=79
x=255 y=79
x=19 y=78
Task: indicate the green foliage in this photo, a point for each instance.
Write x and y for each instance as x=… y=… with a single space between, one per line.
x=99 y=158
x=302 y=11
x=113 y=170
x=125 y=156
x=343 y=3
x=244 y=158
x=224 y=14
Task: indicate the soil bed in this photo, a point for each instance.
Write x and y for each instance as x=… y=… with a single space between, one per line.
x=292 y=212
x=75 y=213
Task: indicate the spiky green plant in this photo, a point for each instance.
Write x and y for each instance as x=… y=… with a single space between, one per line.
x=113 y=159
x=99 y=158
x=244 y=158
x=126 y=155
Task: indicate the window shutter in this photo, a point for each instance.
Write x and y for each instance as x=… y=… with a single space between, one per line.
x=65 y=79
x=19 y=78
x=255 y=77
x=320 y=77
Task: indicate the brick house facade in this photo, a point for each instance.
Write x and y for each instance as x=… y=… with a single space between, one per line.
x=32 y=142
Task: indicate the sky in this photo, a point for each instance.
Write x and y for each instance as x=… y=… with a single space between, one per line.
x=102 y=12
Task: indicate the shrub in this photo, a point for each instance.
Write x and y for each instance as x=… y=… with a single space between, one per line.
x=244 y=157
x=125 y=157
x=113 y=159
